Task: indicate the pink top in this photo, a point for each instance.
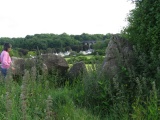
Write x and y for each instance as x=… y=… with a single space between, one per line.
x=5 y=59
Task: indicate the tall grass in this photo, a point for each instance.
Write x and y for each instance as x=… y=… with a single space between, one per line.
x=130 y=95
x=37 y=100
x=92 y=96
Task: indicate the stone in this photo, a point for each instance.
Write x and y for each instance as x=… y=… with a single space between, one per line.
x=54 y=62
x=77 y=70
x=119 y=53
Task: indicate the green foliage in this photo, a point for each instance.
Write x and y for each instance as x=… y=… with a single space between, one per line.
x=144 y=26
x=100 y=45
x=29 y=100
x=92 y=97
x=32 y=53
x=87 y=59
x=99 y=52
x=147 y=109
x=23 y=52
x=143 y=31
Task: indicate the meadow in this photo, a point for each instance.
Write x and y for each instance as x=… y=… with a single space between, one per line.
x=90 y=97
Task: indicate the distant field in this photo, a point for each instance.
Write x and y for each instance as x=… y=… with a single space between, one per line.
x=87 y=56
x=88 y=66
x=67 y=58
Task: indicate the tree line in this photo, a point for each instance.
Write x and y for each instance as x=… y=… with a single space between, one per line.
x=55 y=42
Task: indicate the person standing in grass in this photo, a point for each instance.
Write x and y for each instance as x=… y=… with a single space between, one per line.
x=6 y=59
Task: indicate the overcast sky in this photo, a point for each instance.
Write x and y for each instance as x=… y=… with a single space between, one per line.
x=19 y=18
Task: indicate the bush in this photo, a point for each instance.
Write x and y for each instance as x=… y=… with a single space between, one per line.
x=99 y=52
x=23 y=52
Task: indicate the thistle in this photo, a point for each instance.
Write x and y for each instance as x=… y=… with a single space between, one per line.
x=23 y=106
x=8 y=105
x=139 y=86
x=33 y=73
x=23 y=95
x=50 y=115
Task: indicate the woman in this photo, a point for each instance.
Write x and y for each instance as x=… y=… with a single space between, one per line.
x=6 y=59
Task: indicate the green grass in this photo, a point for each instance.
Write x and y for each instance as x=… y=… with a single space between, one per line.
x=64 y=105
x=34 y=105
x=87 y=56
x=92 y=97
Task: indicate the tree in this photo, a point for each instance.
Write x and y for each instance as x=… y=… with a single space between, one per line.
x=85 y=47
x=143 y=31
x=144 y=25
x=68 y=48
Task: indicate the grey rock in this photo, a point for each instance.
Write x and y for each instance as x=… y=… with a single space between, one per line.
x=119 y=53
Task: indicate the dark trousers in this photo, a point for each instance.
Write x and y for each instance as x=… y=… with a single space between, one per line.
x=4 y=71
